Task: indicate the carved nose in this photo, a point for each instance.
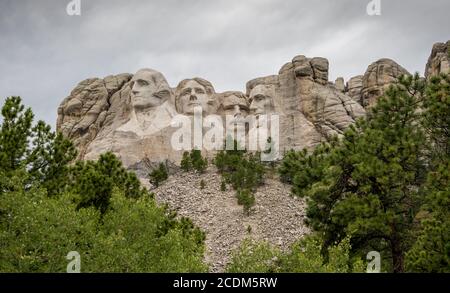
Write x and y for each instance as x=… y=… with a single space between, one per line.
x=237 y=112
x=193 y=98
x=135 y=89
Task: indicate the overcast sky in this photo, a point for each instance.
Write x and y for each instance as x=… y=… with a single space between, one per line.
x=45 y=52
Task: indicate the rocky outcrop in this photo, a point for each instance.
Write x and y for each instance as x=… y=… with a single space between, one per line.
x=340 y=84
x=354 y=88
x=86 y=110
x=367 y=88
x=439 y=60
x=378 y=77
x=311 y=110
x=133 y=115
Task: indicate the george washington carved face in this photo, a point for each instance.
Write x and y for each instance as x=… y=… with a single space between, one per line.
x=149 y=89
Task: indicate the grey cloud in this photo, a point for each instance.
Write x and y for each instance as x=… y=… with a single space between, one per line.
x=45 y=53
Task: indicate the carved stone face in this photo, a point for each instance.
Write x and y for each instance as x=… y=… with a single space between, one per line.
x=236 y=106
x=261 y=101
x=148 y=89
x=192 y=95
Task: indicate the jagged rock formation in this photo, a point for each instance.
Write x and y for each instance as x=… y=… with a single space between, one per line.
x=439 y=60
x=340 y=84
x=311 y=110
x=88 y=109
x=378 y=77
x=354 y=88
x=133 y=115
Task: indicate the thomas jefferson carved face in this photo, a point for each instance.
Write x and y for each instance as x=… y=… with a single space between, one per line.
x=149 y=89
x=193 y=93
x=261 y=101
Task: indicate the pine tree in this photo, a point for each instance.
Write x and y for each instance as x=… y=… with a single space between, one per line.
x=44 y=154
x=49 y=159
x=198 y=162
x=367 y=184
x=246 y=199
x=436 y=117
x=158 y=175
x=15 y=133
x=94 y=182
x=186 y=163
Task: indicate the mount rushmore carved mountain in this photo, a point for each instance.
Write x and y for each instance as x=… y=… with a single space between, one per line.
x=130 y=115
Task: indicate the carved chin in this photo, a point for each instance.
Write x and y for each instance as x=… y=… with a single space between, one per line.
x=258 y=112
x=140 y=102
x=189 y=110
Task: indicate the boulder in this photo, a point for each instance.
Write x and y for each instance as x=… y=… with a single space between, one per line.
x=378 y=77
x=439 y=60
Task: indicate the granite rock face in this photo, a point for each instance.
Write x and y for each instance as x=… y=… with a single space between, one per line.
x=87 y=110
x=354 y=88
x=311 y=110
x=139 y=116
x=132 y=115
x=366 y=89
x=378 y=77
x=340 y=84
x=439 y=61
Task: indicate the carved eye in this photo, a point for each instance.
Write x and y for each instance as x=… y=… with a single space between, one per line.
x=199 y=91
x=186 y=92
x=142 y=82
x=162 y=94
x=259 y=98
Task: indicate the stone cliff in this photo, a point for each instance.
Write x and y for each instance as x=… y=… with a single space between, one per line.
x=132 y=115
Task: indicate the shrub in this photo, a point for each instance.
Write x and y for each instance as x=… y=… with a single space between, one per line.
x=194 y=160
x=134 y=235
x=159 y=175
x=246 y=199
x=202 y=184
x=243 y=171
x=253 y=257
x=186 y=163
x=94 y=182
x=304 y=256
x=223 y=186
x=198 y=162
